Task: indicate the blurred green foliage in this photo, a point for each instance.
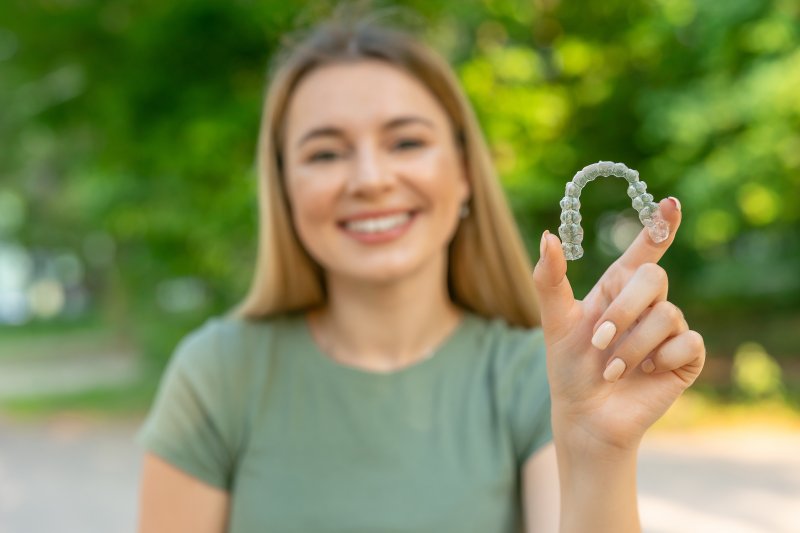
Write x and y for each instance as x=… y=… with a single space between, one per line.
x=134 y=123
x=755 y=373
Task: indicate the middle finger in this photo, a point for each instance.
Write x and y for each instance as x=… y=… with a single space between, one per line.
x=647 y=286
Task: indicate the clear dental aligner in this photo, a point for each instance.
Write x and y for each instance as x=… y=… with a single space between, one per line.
x=570 y=230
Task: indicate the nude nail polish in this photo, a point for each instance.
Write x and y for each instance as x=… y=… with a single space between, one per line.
x=648 y=366
x=676 y=202
x=614 y=370
x=602 y=337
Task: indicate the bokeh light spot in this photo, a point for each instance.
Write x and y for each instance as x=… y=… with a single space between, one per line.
x=759 y=204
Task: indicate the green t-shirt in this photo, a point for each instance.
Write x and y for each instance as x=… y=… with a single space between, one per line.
x=305 y=444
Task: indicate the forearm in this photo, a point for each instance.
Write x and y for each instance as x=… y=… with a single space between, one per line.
x=598 y=490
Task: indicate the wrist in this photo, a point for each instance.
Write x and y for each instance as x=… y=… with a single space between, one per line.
x=598 y=489
x=583 y=463
x=591 y=441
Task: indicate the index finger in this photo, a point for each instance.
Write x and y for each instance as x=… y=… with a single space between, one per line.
x=643 y=249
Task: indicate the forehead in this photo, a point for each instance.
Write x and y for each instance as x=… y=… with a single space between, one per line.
x=361 y=94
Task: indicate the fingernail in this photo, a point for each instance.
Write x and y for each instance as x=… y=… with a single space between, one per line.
x=602 y=337
x=648 y=366
x=543 y=245
x=614 y=370
x=676 y=202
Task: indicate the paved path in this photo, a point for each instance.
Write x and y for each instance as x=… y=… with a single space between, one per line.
x=734 y=481
x=67 y=476
x=71 y=475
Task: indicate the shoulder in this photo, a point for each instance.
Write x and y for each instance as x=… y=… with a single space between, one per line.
x=234 y=332
x=224 y=342
x=224 y=364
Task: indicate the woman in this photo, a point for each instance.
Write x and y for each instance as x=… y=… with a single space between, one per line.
x=395 y=366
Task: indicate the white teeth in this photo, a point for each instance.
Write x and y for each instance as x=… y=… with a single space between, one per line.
x=375 y=225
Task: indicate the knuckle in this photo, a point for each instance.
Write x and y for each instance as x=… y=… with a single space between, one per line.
x=696 y=342
x=537 y=275
x=621 y=316
x=653 y=273
x=631 y=349
x=546 y=279
x=540 y=277
x=668 y=311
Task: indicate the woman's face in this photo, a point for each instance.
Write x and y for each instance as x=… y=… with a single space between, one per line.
x=374 y=176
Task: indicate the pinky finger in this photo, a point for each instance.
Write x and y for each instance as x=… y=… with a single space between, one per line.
x=683 y=354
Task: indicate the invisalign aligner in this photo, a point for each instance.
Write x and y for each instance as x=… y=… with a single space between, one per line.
x=570 y=230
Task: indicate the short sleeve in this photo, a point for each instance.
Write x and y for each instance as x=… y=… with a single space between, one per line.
x=189 y=423
x=527 y=392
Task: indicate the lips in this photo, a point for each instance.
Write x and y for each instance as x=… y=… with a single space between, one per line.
x=386 y=226
x=378 y=224
x=375 y=214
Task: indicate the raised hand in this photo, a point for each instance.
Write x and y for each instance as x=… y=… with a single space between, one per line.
x=621 y=356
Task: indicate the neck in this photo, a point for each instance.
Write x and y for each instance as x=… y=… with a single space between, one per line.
x=389 y=325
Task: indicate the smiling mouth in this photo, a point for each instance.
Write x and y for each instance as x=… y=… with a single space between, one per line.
x=375 y=225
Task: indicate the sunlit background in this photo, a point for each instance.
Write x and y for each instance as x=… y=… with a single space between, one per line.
x=127 y=189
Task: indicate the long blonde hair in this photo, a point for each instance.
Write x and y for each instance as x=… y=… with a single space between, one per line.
x=488 y=268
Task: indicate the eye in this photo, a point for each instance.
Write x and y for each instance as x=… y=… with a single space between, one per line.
x=323 y=156
x=408 y=144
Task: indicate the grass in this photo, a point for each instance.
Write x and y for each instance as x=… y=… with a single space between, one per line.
x=43 y=339
x=67 y=340
x=695 y=411
x=51 y=327
x=102 y=402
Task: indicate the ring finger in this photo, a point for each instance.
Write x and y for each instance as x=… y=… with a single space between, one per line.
x=662 y=321
x=683 y=354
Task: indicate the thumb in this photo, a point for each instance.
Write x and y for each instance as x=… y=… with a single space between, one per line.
x=553 y=290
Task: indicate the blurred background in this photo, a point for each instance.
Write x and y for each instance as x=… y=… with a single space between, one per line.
x=128 y=213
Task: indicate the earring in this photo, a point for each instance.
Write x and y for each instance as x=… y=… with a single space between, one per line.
x=464 y=212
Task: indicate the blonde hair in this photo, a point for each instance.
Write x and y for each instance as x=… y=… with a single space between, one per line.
x=488 y=268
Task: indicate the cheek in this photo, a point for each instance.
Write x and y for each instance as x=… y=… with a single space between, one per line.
x=313 y=209
x=438 y=174
x=312 y=199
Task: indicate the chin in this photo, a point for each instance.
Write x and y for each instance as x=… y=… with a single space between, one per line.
x=379 y=272
x=381 y=276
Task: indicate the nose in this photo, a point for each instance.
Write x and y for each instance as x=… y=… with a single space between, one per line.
x=370 y=174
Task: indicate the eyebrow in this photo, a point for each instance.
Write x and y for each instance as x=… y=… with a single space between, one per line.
x=325 y=131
